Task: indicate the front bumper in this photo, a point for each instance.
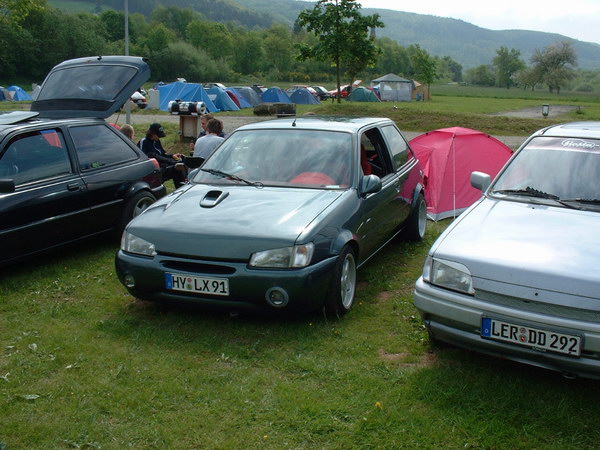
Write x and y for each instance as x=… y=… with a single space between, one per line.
x=456 y=319
x=306 y=288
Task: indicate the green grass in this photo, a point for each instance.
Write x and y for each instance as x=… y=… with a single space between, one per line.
x=84 y=365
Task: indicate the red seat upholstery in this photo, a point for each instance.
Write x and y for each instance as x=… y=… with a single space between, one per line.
x=317 y=178
x=364 y=161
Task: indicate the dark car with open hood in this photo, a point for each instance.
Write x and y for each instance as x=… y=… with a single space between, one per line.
x=65 y=173
x=279 y=217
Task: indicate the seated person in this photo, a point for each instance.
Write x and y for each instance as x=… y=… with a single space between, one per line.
x=171 y=166
x=206 y=145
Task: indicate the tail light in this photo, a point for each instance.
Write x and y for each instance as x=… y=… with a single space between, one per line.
x=155 y=162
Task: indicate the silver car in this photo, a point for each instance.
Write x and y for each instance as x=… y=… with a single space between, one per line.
x=517 y=275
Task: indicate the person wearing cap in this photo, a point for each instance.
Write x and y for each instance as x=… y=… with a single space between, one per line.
x=171 y=166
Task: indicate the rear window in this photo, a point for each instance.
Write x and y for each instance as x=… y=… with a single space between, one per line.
x=97 y=82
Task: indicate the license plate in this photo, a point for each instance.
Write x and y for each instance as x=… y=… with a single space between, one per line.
x=200 y=285
x=535 y=338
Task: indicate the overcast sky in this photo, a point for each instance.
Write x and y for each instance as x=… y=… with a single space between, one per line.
x=578 y=19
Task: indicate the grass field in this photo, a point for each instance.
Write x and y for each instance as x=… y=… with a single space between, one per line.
x=84 y=365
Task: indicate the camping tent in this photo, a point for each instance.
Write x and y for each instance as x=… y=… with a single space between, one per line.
x=249 y=94
x=19 y=94
x=221 y=99
x=275 y=95
x=448 y=157
x=188 y=92
x=302 y=96
x=362 y=94
x=238 y=98
x=394 y=88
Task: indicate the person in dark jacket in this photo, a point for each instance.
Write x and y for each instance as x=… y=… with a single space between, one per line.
x=171 y=166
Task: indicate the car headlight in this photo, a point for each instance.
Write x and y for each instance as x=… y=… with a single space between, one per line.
x=130 y=243
x=448 y=274
x=286 y=257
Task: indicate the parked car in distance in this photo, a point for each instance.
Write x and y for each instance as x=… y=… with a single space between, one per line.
x=298 y=86
x=322 y=93
x=65 y=173
x=516 y=275
x=139 y=100
x=344 y=89
x=279 y=217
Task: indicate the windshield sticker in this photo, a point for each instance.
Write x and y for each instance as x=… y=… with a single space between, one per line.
x=575 y=144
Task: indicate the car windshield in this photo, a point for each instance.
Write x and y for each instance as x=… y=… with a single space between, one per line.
x=559 y=170
x=289 y=158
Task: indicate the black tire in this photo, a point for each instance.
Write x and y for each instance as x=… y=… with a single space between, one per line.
x=416 y=225
x=134 y=207
x=343 y=287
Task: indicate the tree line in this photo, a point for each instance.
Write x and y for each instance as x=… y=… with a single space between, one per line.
x=181 y=42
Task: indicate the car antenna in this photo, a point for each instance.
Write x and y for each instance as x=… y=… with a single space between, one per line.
x=294 y=122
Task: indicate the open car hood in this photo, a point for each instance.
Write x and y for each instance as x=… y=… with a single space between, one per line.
x=90 y=87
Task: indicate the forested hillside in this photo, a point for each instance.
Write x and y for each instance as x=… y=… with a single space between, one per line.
x=465 y=43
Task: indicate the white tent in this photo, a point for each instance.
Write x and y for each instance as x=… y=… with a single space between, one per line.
x=393 y=88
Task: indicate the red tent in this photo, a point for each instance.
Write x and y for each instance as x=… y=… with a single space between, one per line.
x=448 y=157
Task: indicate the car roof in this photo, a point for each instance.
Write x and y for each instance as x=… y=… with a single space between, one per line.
x=573 y=129
x=7 y=125
x=325 y=123
x=95 y=86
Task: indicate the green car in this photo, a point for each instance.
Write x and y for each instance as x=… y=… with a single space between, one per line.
x=279 y=217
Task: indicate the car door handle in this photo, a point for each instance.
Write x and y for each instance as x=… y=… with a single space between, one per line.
x=74 y=187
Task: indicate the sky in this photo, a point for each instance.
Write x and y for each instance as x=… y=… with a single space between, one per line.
x=577 y=19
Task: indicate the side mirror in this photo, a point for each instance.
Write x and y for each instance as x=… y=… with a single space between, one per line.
x=370 y=184
x=7 y=186
x=480 y=180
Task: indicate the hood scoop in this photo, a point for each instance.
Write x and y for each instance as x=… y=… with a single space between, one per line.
x=213 y=198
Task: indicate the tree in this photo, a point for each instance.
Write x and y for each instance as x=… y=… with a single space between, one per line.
x=450 y=69
x=213 y=37
x=13 y=12
x=507 y=63
x=343 y=35
x=554 y=65
x=482 y=75
x=424 y=66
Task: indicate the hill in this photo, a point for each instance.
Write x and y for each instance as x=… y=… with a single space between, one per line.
x=464 y=42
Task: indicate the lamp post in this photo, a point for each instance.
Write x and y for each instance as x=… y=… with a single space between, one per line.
x=128 y=103
x=545 y=110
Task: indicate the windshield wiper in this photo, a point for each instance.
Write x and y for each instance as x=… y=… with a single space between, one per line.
x=528 y=192
x=574 y=202
x=220 y=173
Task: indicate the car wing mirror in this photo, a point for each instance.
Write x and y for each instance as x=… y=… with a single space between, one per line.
x=480 y=180
x=370 y=184
x=7 y=186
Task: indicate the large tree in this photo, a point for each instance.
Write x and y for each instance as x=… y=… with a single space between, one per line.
x=507 y=63
x=424 y=65
x=554 y=65
x=344 y=35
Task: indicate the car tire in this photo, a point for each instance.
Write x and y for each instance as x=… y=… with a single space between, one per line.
x=134 y=207
x=343 y=287
x=416 y=225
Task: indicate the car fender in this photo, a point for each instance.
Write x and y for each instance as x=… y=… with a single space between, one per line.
x=419 y=189
x=344 y=237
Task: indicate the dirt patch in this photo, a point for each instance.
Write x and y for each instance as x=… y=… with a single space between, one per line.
x=536 y=112
x=407 y=359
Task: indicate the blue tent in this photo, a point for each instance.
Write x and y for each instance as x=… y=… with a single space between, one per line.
x=276 y=95
x=189 y=92
x=243 y=103
x=221 y=99
x=250 y=95
x=1 y=94
x=302 y=96
x=19 y=94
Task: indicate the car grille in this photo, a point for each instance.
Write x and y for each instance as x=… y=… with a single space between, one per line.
x=193 y=267
x=538 y=307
